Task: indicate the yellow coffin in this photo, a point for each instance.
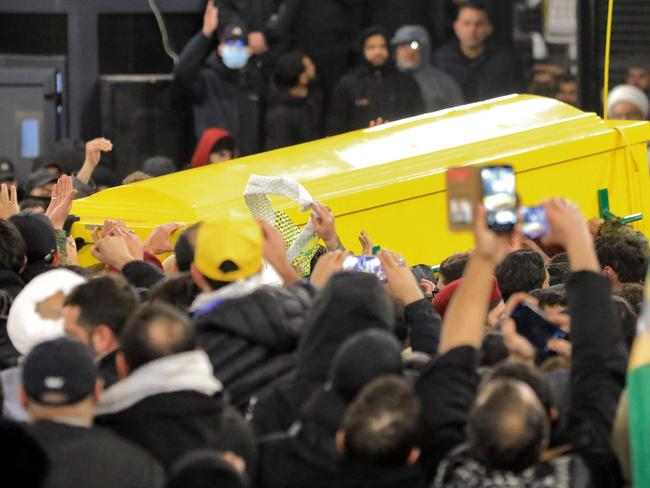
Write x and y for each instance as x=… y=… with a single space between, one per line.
x=390 y=180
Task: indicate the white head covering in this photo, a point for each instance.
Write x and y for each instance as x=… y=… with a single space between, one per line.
x=25 y=327
x=630 y=94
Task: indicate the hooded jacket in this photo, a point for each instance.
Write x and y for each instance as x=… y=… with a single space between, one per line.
x=438 y=89
x=370 y=92
x=174 y=405
x=221 y=97
x=251 y=340
x=308 y=450
x=209 y=138
x=349 y=303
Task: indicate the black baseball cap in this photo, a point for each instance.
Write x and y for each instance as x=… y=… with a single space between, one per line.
x=234 y=32
x=59 y=372
x=7 y=170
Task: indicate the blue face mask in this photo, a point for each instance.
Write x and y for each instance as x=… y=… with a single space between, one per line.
x=234 y=57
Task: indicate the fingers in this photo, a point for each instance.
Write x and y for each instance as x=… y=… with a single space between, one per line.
x=14 y=194
x=96 y=235
x=4 y=193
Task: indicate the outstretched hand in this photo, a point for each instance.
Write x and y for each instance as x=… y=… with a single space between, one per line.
x=63 y=195
x=324 y=226
x=400 y=281
x=159 y=241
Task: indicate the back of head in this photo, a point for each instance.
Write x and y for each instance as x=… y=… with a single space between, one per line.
x=382 y=424
x=362 y=358
x=549 y=297
x=520 y=271
x=184 y=248
x=178 y=290
x=453 y=267
x=107 y=300
x=59 y=372
x=158 y=166
x=12 y=247
x=288 y=69
x=515 y=370
x=633 y=293
x=38 y=235
x=558 y=273
x=154 y=332
x=625 y=254
x=507 y=428
x=350 y=302
x=204 y=469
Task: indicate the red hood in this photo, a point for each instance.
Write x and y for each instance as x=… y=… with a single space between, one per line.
x=209 y=138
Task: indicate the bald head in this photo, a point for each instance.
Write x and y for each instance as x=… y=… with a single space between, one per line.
x=508 y=427
x=154 y=332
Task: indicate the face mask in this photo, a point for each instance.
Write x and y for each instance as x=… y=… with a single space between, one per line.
x=235 y=57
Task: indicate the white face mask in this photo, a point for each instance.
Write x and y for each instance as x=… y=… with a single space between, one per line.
x=235 y=57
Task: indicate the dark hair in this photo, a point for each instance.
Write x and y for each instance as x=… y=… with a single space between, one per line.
x=522 y=270
x=453 y=267
x=561 y=257
x=548 y=297
x=374 y=30
x=179 y=291
x=493 y=349
x=558 y=273
x=184 y=247
x=154 y=332
x=492 y=433
x=12 y=247
x=367 y=441
x=474 y=5
x=628 y=318
x=626 y=255
x=33 y=202
x=634 y=293
x=107 y=300
x=288 y=69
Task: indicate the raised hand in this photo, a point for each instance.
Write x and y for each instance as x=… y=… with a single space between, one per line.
x=210 y=19
x=63 y=195
x=8 y=201
x=159 y=241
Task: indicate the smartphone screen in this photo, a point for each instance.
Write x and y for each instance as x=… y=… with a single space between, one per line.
x=537 y=329
x=534 y=222
x=365 y=264
x=499 y=197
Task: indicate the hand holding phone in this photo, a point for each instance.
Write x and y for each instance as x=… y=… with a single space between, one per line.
x=534 y=326
x=499 y=197
x=365 y=264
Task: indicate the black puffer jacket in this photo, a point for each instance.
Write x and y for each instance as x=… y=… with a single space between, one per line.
x=251 y=340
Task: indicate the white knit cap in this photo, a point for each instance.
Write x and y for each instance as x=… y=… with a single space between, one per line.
x=25 y=326
x=630 y=94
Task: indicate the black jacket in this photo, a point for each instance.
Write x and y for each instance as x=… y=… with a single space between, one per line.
x=224 y=98
x=598 y=365
x=353 y=475
x=495 y=73
x=290 y=120
x=350 y=303
x=169 y=425
x=369 y=92
x=83 y=456
x=251 y=340
x=10 y=285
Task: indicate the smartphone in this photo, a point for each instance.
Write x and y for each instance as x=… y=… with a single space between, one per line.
x=463 y=193
x=365 y=264
x=534 y=222
x=537 y=329
x=499 y=197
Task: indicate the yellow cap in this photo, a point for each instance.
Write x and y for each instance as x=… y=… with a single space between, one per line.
x=229 y=248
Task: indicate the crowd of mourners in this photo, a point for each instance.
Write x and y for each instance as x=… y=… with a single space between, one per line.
x=193 y=371
x=174 y=363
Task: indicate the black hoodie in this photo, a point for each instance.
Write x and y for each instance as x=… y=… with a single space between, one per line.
x=349 y=303
x=369 y=92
